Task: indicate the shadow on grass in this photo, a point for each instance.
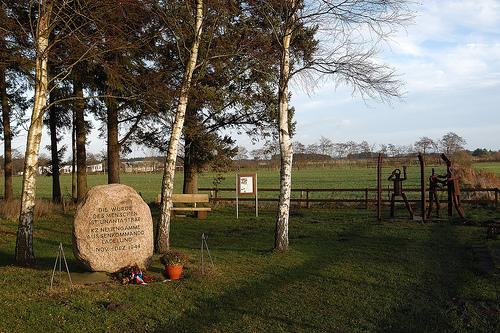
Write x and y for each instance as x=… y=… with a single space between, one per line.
x=433 y=306
x=44 y=260
x=226 y=312
x=226 y=309
x=43 y=263
x=424 y=303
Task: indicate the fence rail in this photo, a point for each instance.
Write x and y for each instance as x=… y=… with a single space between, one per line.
x=306 y=195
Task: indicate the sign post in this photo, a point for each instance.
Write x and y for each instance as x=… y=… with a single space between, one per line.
x=246 y=185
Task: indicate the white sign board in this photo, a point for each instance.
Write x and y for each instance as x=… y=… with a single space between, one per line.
x=246 y=185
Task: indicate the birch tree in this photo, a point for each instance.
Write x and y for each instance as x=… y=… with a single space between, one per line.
x=285 y=142
x=345 y=35
x=24 y=241
x=163 y=229
x=51 y=23
x=232 y=87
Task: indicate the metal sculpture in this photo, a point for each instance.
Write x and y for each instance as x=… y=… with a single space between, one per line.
x=421 y=162
x=379 y=187
x=434 y=186
x=398 y=190
x=453 y=185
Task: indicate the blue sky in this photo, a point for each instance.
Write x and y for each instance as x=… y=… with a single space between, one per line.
x=449 y=59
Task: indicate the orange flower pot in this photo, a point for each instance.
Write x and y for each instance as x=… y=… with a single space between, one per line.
x=174 y=272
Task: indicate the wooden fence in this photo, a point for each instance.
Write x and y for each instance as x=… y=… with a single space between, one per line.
x=365 y=196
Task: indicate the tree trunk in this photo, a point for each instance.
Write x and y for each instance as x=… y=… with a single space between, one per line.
x=24 y=242
x=74 y=186
x=190 y=169
x=190 y=179
x=286 y=150
x=7 y=135
x=113 y=145
x=163 y=229
x=56 y=185
x=81 y=139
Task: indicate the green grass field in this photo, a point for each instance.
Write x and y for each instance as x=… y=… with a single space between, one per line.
x=489 y=166
x=344 y=273
x=149 y=185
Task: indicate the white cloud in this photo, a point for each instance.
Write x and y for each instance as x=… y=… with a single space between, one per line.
x=452 y=45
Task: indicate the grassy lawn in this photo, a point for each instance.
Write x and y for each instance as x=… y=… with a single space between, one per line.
x=149 y=185
x=313 y=177
x=344 y=273
x=489 y=166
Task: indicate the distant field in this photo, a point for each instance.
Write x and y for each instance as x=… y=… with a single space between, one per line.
x=150 y=184
x=489 y=166
x=305 y=178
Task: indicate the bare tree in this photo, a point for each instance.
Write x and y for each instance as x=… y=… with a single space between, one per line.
x=271 y=149
x=395 y=150
x=451 y=143
x=352 y=148
x=383 y=148
x=347 y=33
x=258 y=154
x=365 y=147
x=299 y=147
x=340 y=149
x=325 y=146
x=242 y=153
x=313 y=148
x=425 y=145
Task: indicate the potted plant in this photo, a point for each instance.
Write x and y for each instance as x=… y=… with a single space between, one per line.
x=174 y=262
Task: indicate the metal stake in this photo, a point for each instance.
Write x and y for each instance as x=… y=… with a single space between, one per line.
x=60 y=256
x=205 y=245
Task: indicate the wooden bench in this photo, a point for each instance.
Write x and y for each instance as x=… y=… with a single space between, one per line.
x=194 y=199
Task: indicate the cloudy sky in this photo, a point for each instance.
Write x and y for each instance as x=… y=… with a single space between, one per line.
x=449 y=59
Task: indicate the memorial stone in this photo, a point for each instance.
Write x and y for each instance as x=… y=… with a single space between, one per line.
x=113 y=229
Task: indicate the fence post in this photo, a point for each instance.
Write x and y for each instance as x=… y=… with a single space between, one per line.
x=302 y=195
x=422 y=185
x=308 y=205
x=379 y=187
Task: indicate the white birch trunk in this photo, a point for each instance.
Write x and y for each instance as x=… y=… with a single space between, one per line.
x=286 y=151
x=24 y=242
x=163 y=228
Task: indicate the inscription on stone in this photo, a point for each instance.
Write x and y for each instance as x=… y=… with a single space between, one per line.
x=113 y=229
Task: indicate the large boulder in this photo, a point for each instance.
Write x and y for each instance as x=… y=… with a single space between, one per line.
x=113 y=229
